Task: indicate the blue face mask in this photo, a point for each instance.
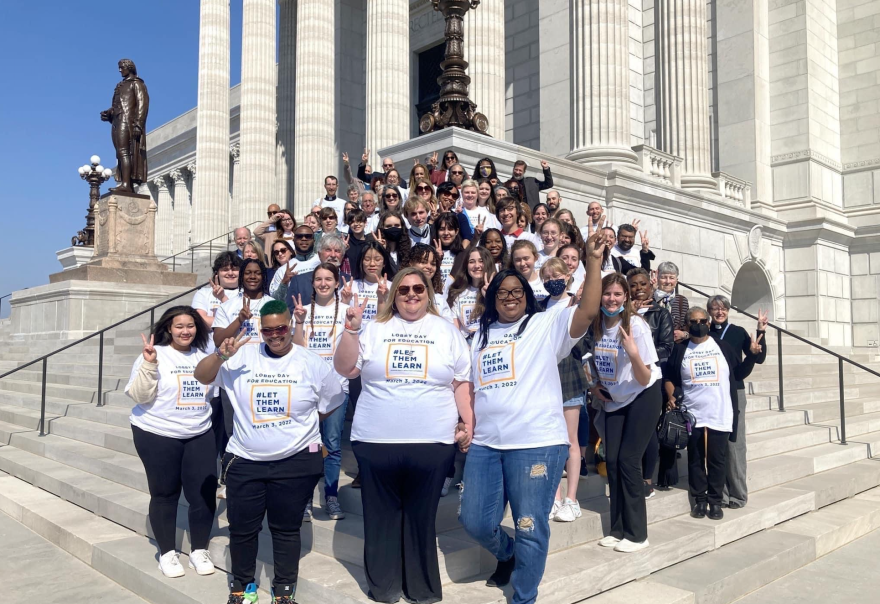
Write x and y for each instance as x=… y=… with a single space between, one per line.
x=554 y=287
x=611 y=313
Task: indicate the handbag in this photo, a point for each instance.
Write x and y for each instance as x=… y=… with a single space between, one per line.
x=675 y=428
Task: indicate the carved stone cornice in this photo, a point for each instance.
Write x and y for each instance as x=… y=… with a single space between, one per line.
x=795 y=156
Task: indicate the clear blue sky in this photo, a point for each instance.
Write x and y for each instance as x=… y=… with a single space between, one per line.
x=57 y=74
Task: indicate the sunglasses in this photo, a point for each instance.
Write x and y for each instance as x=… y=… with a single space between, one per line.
x=388 y=166
x=304 y=236
x=281 y=250
x=423 y=188
x=699 y=321
x=281 y=330
x=450 y=157
x=516 y=294
x=403 y=290
x=391 y=196
x=272 y=213
x=457 y=172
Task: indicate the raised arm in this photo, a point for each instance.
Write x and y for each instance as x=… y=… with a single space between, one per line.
x=589 y=305
x=346 y=357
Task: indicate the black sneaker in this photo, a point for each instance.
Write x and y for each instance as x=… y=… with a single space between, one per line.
x=501 y=576
x=584 y=471
x=356 y=483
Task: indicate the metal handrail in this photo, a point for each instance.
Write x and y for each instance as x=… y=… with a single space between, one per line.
x=100 y=334
x=210 y=243
x=781 y=330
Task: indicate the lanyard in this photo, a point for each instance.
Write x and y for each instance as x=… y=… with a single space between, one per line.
x=726 y=327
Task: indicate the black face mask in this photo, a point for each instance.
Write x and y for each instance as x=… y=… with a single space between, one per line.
x=392 y=234
x=698 y=330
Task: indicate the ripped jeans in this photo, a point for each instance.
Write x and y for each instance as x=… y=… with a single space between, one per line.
x=527 y=478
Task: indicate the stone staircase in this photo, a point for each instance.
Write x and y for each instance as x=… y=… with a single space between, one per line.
x=82 y=487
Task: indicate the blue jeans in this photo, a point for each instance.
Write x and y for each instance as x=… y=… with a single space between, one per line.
x=331 y=434
x=527 y=478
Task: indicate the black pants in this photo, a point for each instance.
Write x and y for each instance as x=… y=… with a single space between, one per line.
x=667 y=474
x=707 y=486
x=627 y=433
x=218 y=422
x=172 y=464
x=400 y=489
x=278 y=490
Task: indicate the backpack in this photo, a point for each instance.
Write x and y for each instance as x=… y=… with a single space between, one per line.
x=675 y=428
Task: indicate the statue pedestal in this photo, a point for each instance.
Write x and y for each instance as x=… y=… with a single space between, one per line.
x=124 y=244
x=74 y=256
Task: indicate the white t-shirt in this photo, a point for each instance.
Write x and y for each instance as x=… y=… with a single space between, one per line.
x=181 y=408
x=585 y=230
x=517 y=392
x=370 y=291
x=510 y=239
x=481 y=213
x=446 y=263
x=538 y=288
x=614 y=367
x=337 y=204
x=463 y=307
x=228 y=312
x=323 y=338
x=705 y=383
x=303 y=267
x=407 y=370
x=276 y=401
x=443 y=307
x=633 y=256
x=204 y=299
x=563 y=302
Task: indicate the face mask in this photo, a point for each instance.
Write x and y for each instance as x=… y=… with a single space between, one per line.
x=555 y=287
x=611 y=313
x=661 y=295
x=697 y=330
x=485 y=171
x=392 y=234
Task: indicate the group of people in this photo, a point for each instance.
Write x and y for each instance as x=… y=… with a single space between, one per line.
x=448 y=313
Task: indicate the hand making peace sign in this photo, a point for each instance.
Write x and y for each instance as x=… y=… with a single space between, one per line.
x=755 y=346
x=299 y=311
x=354 y=315
x=366 y=156
x=289 y=273
x=382 y=290
x=245 y=313
x=439 y=247
x=230 y=346
x=217 y=289
x=345 y=293
x=595 y=243
x=478 y=228
x=149 y=352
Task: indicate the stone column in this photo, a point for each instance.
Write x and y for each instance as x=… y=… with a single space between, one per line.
x=600 y=82
x=683 y=81
x=388 y=58
x=182 y=215
x=211 y=191
x=286 y=101
x=484 y=51
x=164 y=218
x=315 y=125
x=235 y=196
x=257 y=131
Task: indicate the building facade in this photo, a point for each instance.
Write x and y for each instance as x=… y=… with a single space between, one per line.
x=744 y=133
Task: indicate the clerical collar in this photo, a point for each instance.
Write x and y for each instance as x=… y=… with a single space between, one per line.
x=719 y=326
x=330 y=198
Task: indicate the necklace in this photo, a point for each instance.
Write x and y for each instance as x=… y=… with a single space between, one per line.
x=411 y=336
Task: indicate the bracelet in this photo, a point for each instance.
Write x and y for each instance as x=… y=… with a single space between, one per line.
x=221 y=356
x=299 y=322
x=353 y=332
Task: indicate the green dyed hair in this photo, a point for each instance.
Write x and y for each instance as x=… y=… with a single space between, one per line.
x=274 y=307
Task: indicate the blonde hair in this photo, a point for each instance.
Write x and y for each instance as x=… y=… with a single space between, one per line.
x=554 y=264
x=258 y=250
x=388 y=311
x=523 y=243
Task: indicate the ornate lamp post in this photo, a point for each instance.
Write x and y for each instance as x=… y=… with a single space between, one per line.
x=94 y=174
x=454 y=108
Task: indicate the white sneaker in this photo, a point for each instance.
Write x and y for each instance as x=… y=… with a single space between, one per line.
x=169 y=564
x=221 y=491
x=307 y=513
x=609 y=541
x=557 y=505
x=200 y=561
x=569 y=512
x=626 y=546
x=447 y=482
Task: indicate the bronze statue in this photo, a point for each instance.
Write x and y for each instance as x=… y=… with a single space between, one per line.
x=128 y=115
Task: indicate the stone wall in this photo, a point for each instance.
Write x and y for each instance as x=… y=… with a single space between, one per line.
x=351 y=83
x=523 y=65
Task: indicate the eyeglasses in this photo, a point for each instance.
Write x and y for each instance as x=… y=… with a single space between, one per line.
x=281 y=250
x=281 y=330
x=516 y=294
x=304 y=236
x=387 y=166
x=423 y=188
x=403 y=290
x=287 y=220
x=699 y=321
x=391 y=196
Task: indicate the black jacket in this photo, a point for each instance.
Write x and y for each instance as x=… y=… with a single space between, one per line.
x=532 y=186
x=738 y=372
x=740 y=341
x=660 y=322
x=623 y=266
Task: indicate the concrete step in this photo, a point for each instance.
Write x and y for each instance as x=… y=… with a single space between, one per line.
x=32 y=403
x=55 y=391
x=88 y=367
x=110 y=381
x=784 y=440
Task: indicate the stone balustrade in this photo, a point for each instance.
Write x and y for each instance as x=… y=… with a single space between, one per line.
x=734 y=189
x=661 y=165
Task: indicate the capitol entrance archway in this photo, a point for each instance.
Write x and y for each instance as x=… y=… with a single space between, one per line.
x=751 y=290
